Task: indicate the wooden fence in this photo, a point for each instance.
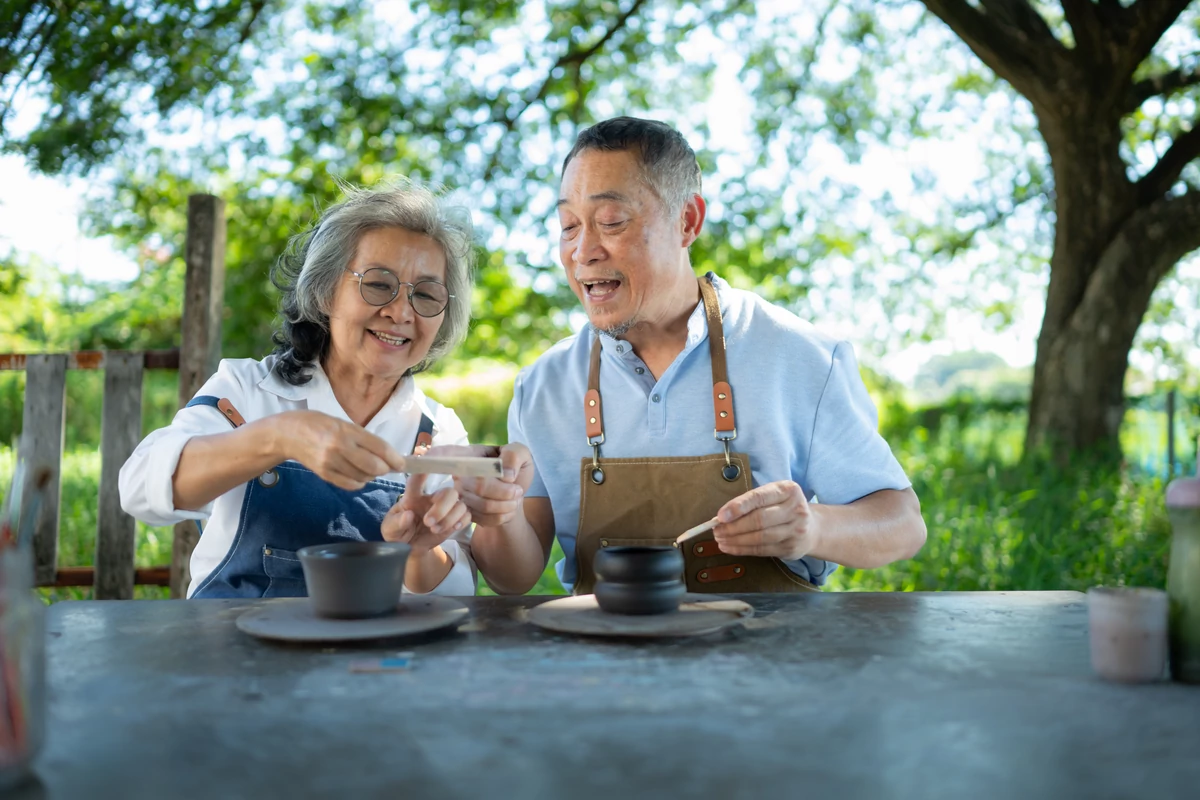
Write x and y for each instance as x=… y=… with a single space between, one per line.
x=44 y=421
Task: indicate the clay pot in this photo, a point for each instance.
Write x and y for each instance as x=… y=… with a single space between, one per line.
x=1127 y=631
x=352 y=580
x=639 y=580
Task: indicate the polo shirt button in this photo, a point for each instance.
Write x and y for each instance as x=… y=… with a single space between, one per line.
x=620 y=348
x=638 y=370
x=655 y=398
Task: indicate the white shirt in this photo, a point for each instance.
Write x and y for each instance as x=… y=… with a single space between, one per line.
x=801 y=408
x=256 y=391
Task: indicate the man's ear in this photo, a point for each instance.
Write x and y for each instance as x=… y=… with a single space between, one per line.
x=692 y=218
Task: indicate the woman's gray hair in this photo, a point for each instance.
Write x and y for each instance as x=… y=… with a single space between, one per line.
x=310 y=270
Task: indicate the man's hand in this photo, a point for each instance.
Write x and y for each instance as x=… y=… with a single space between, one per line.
x=770 y=520
x=424 y=520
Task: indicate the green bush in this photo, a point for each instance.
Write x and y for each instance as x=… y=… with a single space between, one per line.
x=994 y=523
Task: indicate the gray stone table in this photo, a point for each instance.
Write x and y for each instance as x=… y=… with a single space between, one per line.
x=951 y=695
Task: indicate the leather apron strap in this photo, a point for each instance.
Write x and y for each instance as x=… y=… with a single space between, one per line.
x=650 y=501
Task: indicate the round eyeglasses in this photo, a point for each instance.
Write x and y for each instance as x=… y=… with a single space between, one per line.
x=379 y=287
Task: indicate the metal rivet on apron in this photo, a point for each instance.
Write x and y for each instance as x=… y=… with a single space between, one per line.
x=724 y=414
x=598 y=475
x=592 y=403
x=703 y=576
x=604 y=542
x=730 y=472
x=266 y=551
x=737 y=570
x=721 y=396
x=592 y=420
x=700 y=548
x=269 y=478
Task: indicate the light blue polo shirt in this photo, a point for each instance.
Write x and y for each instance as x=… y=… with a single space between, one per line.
x=801 y=408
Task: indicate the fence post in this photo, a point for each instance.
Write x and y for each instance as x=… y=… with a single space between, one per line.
x=200 y=347
x=1170 y=434
x=42 y=430
x=120 y=430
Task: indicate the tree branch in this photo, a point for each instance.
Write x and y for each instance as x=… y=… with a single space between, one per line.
x=1159 y=180
x=574 y=58
x=1163 y=85
x=1004 y=39
x=1145 y=23
x=1085 y=25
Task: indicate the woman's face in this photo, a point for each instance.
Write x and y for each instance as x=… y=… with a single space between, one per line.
x=384 y=341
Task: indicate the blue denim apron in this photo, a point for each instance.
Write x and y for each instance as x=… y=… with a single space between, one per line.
x=287 y=508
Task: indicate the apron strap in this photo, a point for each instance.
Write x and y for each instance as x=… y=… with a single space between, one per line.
x=220 y=404
x=725 y=428
x=424 y=433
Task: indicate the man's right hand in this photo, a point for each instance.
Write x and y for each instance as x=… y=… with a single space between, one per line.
x=338 y=451
x=493 y=501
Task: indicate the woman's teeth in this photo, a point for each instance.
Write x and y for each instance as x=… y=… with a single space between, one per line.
x=396 y=341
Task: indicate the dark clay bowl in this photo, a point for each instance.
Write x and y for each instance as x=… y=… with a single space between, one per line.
x=351 y=580
x=639 y=580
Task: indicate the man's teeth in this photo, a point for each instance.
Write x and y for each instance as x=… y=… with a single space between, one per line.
x=394 y=340
x=602 y=287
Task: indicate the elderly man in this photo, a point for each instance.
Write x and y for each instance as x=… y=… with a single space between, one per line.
x=684 y=400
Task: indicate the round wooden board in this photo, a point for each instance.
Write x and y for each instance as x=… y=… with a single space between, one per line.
x=698 y=615
x=293 y=620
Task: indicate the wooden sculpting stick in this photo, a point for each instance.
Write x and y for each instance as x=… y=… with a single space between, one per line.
x=696 y=531
x=464 y=466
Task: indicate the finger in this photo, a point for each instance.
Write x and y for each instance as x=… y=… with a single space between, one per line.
x=460 y=518
x=379 y=448
x=415 y=488
x=513 y=458
x=490 y=489
x=399 y=527
x=757 y=520
x=364 y=463
x=782 y=541
x=441 y=503
x=489 y=508
x=769 y=494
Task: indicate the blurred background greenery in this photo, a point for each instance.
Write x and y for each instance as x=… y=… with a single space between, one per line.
x=961 y=181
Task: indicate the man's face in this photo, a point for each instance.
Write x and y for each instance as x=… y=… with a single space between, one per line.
x=618 y=246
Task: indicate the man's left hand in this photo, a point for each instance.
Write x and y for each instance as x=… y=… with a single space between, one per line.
x=771 y=520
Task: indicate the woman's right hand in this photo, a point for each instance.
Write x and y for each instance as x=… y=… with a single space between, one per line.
x=338 y=451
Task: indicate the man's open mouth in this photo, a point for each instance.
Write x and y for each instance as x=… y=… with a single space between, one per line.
x=598 y=290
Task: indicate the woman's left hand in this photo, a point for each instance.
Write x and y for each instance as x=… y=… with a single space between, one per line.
x=425 y=520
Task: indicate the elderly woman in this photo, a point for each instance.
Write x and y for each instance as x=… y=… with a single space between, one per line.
x=305 y=446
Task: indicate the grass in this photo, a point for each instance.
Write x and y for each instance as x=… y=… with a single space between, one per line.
x=994 y=523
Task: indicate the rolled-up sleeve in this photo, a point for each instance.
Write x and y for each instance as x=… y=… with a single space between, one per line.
x=145 y=481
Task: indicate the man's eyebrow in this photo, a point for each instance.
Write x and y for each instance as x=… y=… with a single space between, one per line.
x=616 y=197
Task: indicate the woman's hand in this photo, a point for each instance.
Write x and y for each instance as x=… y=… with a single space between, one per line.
x=493 y=501
x=425 y=520
x=338 y=451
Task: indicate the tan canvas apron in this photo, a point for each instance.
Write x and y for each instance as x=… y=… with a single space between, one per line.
x=650 y=501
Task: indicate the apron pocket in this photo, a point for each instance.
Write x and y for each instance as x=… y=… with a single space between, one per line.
x=284 y=573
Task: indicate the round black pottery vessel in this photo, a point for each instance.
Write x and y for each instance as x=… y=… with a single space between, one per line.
x=639 y=580
x=352 y=580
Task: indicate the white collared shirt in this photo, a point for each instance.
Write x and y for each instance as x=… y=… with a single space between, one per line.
x=256 y=391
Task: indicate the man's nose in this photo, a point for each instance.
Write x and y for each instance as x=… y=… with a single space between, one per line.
x=587 y=246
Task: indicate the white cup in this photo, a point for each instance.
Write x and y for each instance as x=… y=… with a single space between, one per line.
x=1127 y=629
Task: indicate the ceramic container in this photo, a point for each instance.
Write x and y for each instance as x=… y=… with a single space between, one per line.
x=352 y=580
x=639 y=580
x=1127 y=631
x=1183 y=579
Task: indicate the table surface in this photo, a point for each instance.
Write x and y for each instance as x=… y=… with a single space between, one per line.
x=847 y=695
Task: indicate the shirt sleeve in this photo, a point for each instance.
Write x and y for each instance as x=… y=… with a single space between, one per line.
x=145 y=481
x=516 y=433
x=848 y=458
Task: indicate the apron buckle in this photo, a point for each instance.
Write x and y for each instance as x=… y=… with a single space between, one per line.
x=597 y=470
x=730 y=471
